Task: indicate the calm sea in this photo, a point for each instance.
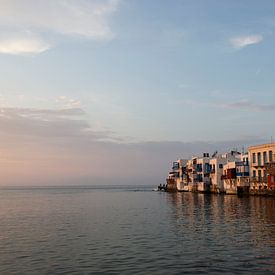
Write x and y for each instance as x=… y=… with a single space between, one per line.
x=133 y=230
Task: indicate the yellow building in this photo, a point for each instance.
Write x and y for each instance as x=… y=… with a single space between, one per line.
x=260 y=158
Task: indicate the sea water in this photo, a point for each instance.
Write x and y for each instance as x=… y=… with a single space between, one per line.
x=133 y=230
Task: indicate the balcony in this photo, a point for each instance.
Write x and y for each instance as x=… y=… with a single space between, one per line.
x=258 y=179
x=242 y=174
x=228 y=177
x=243 y=182
x=258 y=164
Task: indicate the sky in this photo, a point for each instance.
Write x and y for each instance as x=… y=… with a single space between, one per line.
x=112 y=91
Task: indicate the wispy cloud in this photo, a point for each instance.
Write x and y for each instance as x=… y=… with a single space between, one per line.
x=240 y=42
x=23 y=45
x=67 y=102
x=42 y=122
x=246 y=105
x=83 y=18
x=39 y=112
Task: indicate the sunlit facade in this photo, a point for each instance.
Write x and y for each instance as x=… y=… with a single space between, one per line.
x=262 y=159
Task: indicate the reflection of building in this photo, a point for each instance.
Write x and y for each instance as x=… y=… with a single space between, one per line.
x=229 y=215
x=262 y=159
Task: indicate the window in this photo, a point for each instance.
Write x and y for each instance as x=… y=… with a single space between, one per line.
x=259 y=159
x=260 y=174
x=254 y=157
x=270 y=156
x=245 y=161
x=254 y=173
x=265 y=157
x=220 y=166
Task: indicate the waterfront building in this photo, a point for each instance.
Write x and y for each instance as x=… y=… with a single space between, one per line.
x=243 y=174
x=198 y=173
x=203 y=173
x=217 y=163
x=190 y=180
x=208 y=174
x=236 y=174
x=262 y=162
x=230 y=173
x=270 y=171
x=176 y=178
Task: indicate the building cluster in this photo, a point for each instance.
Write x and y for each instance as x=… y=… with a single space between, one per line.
x=231 y=173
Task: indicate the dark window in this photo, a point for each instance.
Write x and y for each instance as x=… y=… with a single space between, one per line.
x=260 y=173
x=265 y=157
x=270 y=156
x=254 y=157
x=259 y=157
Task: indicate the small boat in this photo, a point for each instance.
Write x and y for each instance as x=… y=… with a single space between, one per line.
x=162 y=187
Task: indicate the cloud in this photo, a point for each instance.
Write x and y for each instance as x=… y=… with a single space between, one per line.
x=68 y=103
x=23 y=46
x=246 y=105
x=240 y=42
x=32 y=123
x=78 y=18
x=41 y=112
x=50 y=147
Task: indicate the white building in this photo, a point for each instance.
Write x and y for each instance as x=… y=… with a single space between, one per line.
x=200 y=172
x=217 y=163
x=217 y=174
x=175 y=180
x=236 y=174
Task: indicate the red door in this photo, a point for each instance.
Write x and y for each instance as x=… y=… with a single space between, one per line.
x=271 y=181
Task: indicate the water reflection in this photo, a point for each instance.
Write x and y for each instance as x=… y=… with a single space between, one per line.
x=228 y=229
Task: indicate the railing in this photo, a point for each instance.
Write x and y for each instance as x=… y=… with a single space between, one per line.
x=242 y=174
x=228 y=177
x=258 y=179
x=260 y=164
x=243 y=181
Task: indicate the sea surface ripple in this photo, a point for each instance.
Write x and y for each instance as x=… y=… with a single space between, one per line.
x=133 y=230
